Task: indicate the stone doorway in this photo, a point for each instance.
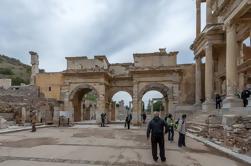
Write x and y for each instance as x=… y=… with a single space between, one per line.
x=84 y=103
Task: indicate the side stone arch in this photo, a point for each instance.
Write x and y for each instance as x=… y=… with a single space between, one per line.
x=75 y=98
x=85 y=87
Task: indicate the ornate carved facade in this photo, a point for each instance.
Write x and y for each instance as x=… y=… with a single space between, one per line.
x=225 y=44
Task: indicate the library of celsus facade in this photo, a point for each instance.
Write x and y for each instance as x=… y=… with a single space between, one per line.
x=224 y=46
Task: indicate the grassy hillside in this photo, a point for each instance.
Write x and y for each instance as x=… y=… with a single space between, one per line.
x=14 y=69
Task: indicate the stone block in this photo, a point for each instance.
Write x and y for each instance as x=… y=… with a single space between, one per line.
x=3 y=123
x=229 y=120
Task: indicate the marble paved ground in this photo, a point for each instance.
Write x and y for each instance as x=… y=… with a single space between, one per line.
x=95 y=146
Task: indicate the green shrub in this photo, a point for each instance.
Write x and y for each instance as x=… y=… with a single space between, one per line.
x=16 y=81
x=6 y=71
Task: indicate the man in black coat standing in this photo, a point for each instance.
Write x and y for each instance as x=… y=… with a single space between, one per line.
x=156 y=128
x=245 y=95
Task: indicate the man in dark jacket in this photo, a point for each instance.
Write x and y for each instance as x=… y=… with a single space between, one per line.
x=156 y=128
x=129 y=119
x=245 y=95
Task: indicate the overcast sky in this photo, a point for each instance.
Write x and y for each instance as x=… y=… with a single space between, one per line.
x=115 y=28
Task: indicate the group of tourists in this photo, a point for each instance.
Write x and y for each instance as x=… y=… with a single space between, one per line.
x=158 y=127
x=245 y=94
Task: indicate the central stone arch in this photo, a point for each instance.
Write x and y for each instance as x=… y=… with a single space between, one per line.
x=76 y=97
x=163 y=89
x=112 y=91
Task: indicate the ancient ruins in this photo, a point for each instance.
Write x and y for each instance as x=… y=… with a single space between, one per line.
x=222 y=53
x=225 y=45
x=150 y=71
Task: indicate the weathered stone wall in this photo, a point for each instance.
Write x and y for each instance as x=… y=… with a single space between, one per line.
x=20 y=101
x=157 y=59
x=83 y=63
x=50 y=84
x=5 y=83
x=120 y=69
x=187 y=85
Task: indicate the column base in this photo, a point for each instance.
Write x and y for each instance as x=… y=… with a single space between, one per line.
x=198 y=106
x=231 y=102
x=249 y=102
x=136 y=119
x=98 y=117
x=208 y=106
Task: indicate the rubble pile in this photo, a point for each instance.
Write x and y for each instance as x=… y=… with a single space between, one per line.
x=238 y=134
x=215 y=127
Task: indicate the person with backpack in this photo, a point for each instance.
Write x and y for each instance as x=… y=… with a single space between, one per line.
x=182 y=131
x=170 y=124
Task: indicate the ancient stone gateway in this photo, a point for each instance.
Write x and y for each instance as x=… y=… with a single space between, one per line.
x=150 y=71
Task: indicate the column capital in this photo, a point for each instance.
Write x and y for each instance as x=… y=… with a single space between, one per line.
x=208 y=45
x=198 y=59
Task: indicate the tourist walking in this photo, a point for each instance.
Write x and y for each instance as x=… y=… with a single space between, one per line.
x=156 y=128
x=218 y=101
x=129 y=119
x=244 y=96
x=126 y=121
x=144 y=117
x=170 y=124
x=33 y=121
x=182 y=131
x=103 y=117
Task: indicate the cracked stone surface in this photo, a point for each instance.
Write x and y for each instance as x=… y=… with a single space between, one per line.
x=96 y=146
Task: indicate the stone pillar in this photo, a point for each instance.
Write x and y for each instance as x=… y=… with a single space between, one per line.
x=209 y=72
x=209 y=16
x=198 y=81
x=34 y=67
x=23 y=115
x=241 y=81
x=198 y=17
x=232 y=52
x=136 y=104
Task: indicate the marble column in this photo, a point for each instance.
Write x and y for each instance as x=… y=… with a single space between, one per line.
x=209 y=72
x=198 y=81
x=232 y=52
x=209 y=16
x=198 y=17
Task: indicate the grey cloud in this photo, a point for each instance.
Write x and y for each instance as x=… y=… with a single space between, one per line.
x=117 y=28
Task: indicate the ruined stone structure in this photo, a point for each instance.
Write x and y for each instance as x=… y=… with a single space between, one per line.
x=227 y=56
x=225 y=45
x=150 y=71
x=17 y=102
x=34 y=66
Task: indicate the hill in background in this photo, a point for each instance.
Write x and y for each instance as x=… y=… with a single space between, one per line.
x=14 y=69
